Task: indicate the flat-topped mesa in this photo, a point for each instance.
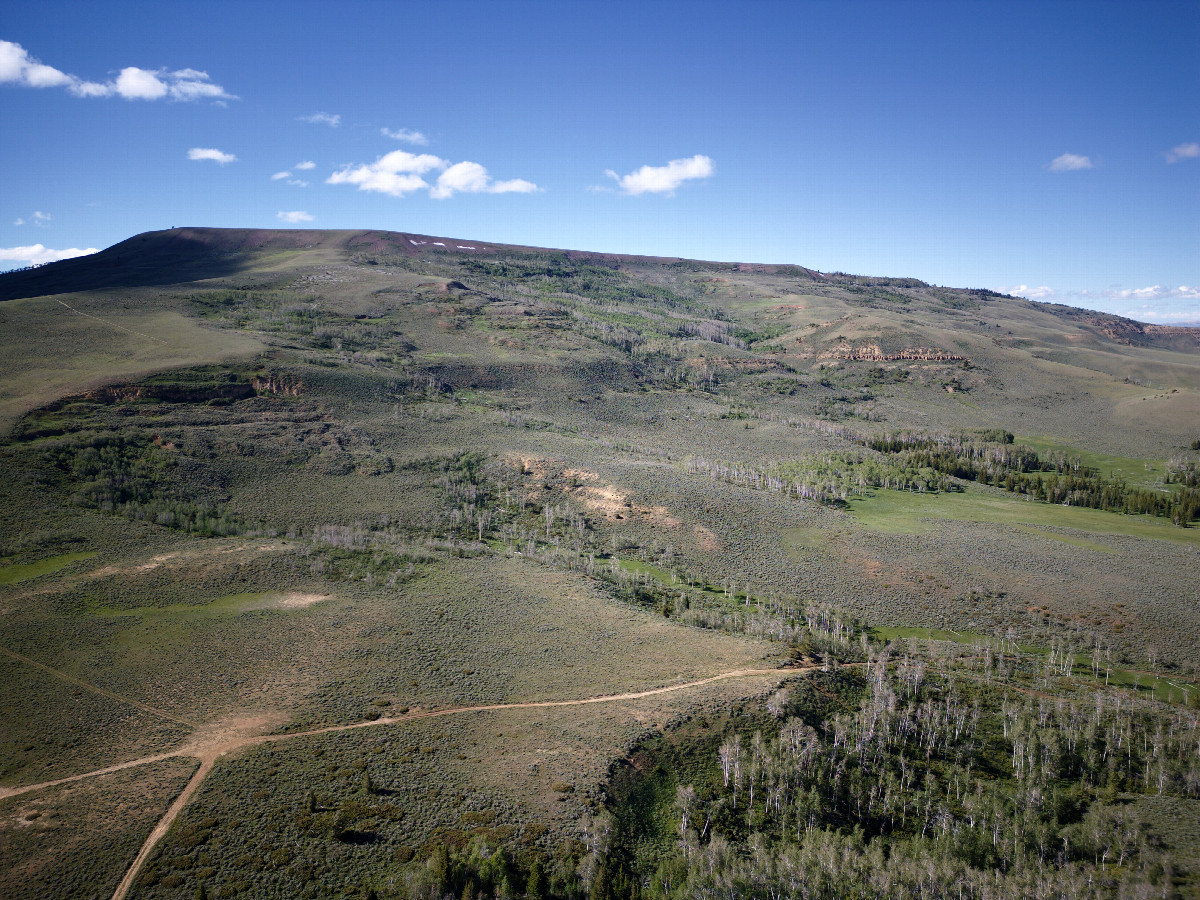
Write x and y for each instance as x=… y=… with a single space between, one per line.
x=180 y=255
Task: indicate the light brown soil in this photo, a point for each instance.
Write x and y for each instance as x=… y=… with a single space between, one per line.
x=211 y=742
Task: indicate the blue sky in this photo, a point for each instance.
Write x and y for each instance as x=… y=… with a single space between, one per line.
x=1048 y=149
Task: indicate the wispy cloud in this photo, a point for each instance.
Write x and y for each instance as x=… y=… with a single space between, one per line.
x=1157 y=292
x=217 y=156
x=664 y=179
x=1154 y=303
x=295 y=216
x=296 y=182
x=37 y=254
x=322 y=118
x=1183 y=151
x=305 y=166
x=405 y=135
x=131 y=83
x=399 y=173
x=38 y=218
x=1070 y=162
x=1178 y=305
x=154 y=84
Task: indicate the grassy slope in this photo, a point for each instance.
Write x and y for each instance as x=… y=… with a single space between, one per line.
x=912 y=513
x=101 y=339
x=425 y=354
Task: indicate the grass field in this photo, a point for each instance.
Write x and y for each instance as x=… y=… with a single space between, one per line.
x=76 y=343
x=1147 y=472
x=13 y=573
x=913 y=513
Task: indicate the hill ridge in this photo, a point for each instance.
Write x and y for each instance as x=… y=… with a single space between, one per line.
x=195 y=253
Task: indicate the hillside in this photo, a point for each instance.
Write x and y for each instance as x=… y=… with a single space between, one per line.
x=416 y=565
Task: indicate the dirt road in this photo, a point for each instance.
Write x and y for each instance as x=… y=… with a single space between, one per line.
x=210 y=745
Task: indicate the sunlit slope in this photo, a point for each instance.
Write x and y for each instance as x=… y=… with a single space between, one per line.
x=890 y=350
x=55 y=346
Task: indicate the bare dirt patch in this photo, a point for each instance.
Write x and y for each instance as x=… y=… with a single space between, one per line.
x=207 y=550
x=586 y=488
x=214 y=738
x=706 y=539
x=299 y=600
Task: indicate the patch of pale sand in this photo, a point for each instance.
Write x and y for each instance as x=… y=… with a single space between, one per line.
x=283 y=600
x=155 y=561
x=580 y=475
x=537 y=466
x=299 y=599
x=213 y=738
x=706 y=539
x=607 y=499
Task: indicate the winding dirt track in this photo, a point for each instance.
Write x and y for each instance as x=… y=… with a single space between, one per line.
x=208 y=754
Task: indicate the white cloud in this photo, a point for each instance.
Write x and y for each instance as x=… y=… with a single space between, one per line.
x=468 y=177
x=295 y=216
x=16 y=65
x=216 y=156
x=396 y=173
x=663 y=179
x=1070 y=162
x=92 y=89
x=1157 y=292
x=38 y=218
x=297 y=182
x=513 y=186
x=472 y=178
x=140 y=84
x=1165 y=305
x=197 y=88
x=322 y=118
x=1029 y=293
x=400 y=172
x=404 y=134
x=305 y=166
x=37 y=254
x=1183 y=151
x=1151 y=292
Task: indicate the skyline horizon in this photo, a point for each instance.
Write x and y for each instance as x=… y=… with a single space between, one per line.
x=1047 y=151
x=1184 y=323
